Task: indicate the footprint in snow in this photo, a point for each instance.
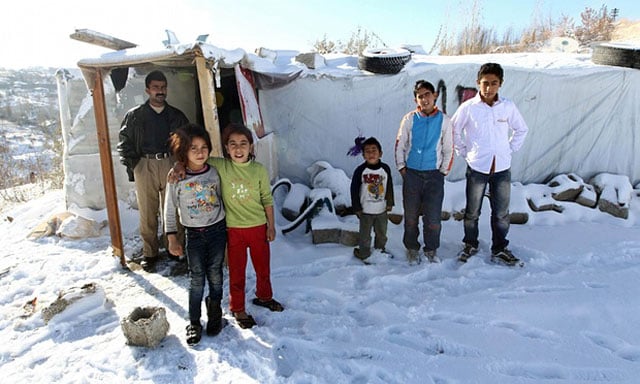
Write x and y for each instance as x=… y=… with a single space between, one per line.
x=541 y=371
x=527 y=331
x=615 y=345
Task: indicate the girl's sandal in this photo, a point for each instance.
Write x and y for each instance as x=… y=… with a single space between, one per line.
x=272 y=305
x=244 y=322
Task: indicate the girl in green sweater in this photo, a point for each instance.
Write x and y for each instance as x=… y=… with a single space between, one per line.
x=246 y=193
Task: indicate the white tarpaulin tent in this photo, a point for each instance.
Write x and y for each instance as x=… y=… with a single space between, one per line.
x=577 y=112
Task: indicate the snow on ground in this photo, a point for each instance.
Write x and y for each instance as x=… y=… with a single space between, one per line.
x=569 y=316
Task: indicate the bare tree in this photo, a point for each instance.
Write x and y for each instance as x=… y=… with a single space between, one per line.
x=325 y=45
x=596 y=25
x=566 y=27
x=360 y=40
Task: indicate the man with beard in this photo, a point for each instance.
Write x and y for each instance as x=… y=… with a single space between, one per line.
x=143 y=149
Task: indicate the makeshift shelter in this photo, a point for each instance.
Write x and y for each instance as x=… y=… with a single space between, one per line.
x=207 y=83
x=304 y=108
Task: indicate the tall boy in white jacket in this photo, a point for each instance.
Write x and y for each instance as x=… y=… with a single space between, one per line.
x=487 y=129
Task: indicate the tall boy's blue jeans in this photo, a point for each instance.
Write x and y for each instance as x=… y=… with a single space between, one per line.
x=205 y=255
x=499 y=198
x=422 y=194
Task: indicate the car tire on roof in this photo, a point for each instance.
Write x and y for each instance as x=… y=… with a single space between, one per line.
x=384 y=61
x=620 y=55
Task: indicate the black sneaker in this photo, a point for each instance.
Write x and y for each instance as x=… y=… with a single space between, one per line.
x=468 y=251
x=174 y=258
x=194 y=334
x=385 y=252
x=149 y=264
x=505 y=257
x=356 y=253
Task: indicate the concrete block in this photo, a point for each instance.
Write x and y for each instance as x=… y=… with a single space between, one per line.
x=320 y=236
x=349 y=238
x=145 y=326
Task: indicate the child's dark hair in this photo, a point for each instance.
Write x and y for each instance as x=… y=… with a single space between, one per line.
x=181 y=139
x=491 y=69
x=240 y=129
x=154 y=75
x=371 y=141
x=423 y=84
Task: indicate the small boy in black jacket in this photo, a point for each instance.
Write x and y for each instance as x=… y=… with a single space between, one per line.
x=371 y=198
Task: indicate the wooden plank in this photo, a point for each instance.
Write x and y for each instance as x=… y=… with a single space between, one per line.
x=209 y=107
x=100 y=39
x=106 y=163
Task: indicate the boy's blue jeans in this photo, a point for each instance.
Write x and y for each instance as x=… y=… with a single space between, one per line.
x=205 y=255
x=499 y=198
x=422 y=195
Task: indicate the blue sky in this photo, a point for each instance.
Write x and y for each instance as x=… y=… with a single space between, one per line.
x=36 y=32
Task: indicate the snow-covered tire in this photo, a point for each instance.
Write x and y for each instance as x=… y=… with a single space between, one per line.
x=384 y=61
x=620 y=55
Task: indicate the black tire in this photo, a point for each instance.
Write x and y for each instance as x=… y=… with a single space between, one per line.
x=618 y=55
x=384 y=61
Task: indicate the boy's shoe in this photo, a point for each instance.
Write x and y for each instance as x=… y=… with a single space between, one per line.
x=505 y=257
x=468 y=251
x=385 y=252
x=413 y=256
x=431 y=256
x=356 y=253
x=194 y=334
x=214 y=317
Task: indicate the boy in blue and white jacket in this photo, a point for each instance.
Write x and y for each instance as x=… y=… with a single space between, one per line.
x=424 y=156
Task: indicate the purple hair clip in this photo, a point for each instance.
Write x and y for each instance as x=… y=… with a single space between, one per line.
x=356 y=149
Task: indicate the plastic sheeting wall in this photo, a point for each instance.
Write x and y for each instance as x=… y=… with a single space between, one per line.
x=581 y=120
x=83 y=178
x=584 y=120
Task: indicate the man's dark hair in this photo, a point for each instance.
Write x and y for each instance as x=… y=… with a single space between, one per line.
x=154 y=75
x=371 y=141
x=423 y=84
x=491 y=69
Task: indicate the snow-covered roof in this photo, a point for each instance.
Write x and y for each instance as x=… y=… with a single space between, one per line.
x=179 y=55
x=284 y=62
